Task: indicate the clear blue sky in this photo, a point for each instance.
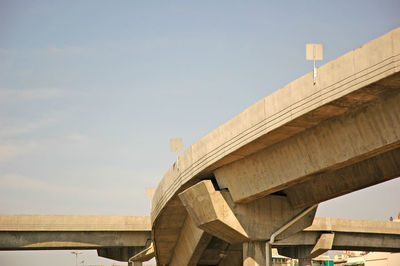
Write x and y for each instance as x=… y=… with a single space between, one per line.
x=92 y=91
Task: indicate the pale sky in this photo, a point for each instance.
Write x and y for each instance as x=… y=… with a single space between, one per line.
x=92 y=91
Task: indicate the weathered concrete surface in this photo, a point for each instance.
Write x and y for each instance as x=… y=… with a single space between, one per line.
x=191 y=244
x=363 y=235
x=254 y=253
x=354 y=226
x=26 y=240
x=34 y=222
x=115 y=237
x=324 y=233
x=298 y=137
x=324 y=149
x=324 y=243
x=144 y=255
x=216 y=213
x=212 y=213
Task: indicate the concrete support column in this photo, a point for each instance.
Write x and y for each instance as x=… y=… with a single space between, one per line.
x=304 y=261
x=302 y=253
x=257 y=253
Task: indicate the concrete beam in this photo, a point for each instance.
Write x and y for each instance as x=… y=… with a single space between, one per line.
x=144 y=255
x=363 y=235
x=212 y=212
x=191 y=244
x=114 y=237
x=354 y=226
x=34 y=222
x=323 y=244
x=346 y=241
x=216 y=213
x=335 y=183
x=333 y=144
x=38 y=240
x=344 y=84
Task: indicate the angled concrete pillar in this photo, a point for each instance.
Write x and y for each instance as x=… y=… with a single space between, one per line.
x=323 y=244
x=216 y=213
x=211 y=212
x=191 y=244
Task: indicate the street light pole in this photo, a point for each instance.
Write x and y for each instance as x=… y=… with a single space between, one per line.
x=76 y=253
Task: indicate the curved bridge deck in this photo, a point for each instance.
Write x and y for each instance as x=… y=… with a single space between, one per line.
x=304 y=143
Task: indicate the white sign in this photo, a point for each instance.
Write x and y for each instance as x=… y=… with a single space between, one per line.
x=176 y=144
x=314 y=51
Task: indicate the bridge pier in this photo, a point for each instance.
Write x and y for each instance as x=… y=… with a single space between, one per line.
x=305 y=262
x=266 y=218
x=257 y=253
x=295 y=148
x=302 y=253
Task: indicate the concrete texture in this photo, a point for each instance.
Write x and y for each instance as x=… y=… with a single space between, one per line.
x=195 y=246
x=254 y=253
x=114 y=237
x=212 y=213
x=305 y=143
x=191 y=244
x=34 y=222
x=324 y=243
x=333 y=144
x=144 y=255
x=216 y=213
x=346 y=234
x=323 y=234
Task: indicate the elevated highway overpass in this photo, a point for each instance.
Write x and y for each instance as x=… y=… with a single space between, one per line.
x=261 y=174
x=324 y=234
x=114 y=237
x=119 y=237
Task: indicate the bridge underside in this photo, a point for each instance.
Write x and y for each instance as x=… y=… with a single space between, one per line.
x=357 y=149
x=371 y=237
x=113 y=245
x=309 y=145
x=114 y=237
x=351 y=151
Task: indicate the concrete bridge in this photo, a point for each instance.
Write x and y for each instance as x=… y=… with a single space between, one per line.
x=255 y=182
x=324 y=234
x=114 y=237
x=127 y=238
x=260 y=176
